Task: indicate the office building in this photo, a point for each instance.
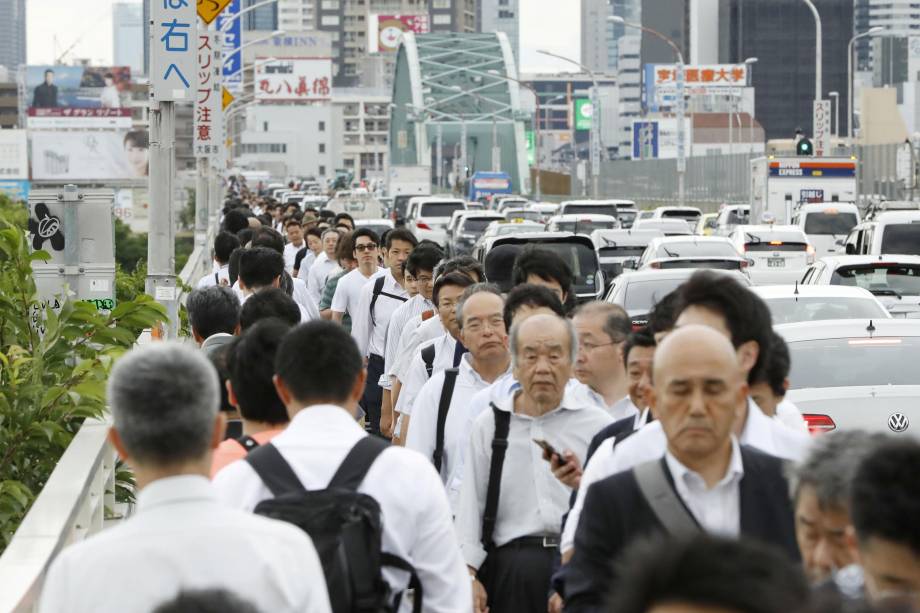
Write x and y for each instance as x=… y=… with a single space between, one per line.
x=600 y=38
x=127 y=36
x=781 y=34
x=296 y=15
x=12 y=33
x=503 y=16
x=672 y=19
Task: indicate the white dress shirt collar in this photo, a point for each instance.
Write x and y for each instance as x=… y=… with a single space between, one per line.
x=319 y=417
x=757 y=430
x=170 y=490
x=685 y=476
x=507 y=404
x=468 y=372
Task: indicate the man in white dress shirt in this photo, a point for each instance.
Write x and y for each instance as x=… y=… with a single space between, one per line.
x=224 y=244
x=348 y=292
x=164 y=399
x=316 y=275
x=509 y=543
x=320 y=378
x=262 y=268
x=295 y=242
x=482 y=332
x=379 y=299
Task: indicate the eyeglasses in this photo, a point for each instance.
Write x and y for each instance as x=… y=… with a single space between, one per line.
x=425 y=280
x=366 y=247
x=590 y=347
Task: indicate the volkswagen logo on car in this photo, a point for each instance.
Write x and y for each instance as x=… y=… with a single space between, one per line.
x=898 y=422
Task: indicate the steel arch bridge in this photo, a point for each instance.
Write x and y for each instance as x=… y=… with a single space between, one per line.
x=448 y=85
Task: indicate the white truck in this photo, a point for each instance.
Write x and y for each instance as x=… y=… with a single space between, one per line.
x=780 y=185
x=405 y=182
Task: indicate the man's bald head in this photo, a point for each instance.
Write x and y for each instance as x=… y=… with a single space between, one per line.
x=688 y=343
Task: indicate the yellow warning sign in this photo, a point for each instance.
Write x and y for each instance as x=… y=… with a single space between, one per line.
x=208 y=10
x=226 y=98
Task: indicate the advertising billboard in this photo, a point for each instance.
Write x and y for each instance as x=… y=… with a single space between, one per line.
x=86 y=155
x=291 y=43
x=71 y=118
x=384 y=32
x=660 y=81
x=584 y=111
x=77 y=87
x=294 y=79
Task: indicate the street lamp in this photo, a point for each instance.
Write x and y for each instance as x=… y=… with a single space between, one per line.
x=814 y=12
x=595 y=120
x=257 y=41
x=836 y=97
x=750 y=81
x=226 y=24
x=868 y=32
x=536 y=127
x=681 y=154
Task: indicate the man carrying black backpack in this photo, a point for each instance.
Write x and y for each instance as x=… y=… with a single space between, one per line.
x=372 y=510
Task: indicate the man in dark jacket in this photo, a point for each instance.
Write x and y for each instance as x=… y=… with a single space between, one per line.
x=706 y=481
x=46 y=93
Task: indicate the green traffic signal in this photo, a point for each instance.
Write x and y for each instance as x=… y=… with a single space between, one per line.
x=804 y=147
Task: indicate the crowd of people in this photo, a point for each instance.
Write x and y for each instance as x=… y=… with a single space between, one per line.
x=363 y=424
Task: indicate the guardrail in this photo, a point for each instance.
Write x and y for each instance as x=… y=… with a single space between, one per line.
x=72 y=505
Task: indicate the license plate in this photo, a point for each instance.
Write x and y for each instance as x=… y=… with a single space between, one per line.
x=776 y=263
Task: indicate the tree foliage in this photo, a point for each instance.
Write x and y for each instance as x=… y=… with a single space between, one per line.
x=51 y=382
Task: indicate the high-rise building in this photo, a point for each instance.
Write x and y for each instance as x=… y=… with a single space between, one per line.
x=12 y=33
x=600 y=38
x=346 y=21
x=264 y=18
x=672 y=19
x=888 y=57
x=127 y=35
x=503 y=16
x=781 y=34
x=296 y=15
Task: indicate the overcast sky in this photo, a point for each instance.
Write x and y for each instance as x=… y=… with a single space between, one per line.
x=55 y=25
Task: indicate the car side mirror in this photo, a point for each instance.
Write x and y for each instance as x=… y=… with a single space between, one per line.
x=850 y=249
x=840 y=242
x=631 y=264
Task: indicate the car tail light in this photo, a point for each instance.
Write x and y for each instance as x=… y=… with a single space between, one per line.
x=745 y=263
x=819 y=424
x=421 y=225
x=810 y=254
x=654 y=265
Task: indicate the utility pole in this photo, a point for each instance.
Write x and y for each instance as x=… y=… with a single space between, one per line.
x=439 y=153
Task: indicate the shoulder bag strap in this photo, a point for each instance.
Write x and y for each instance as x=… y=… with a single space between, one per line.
x=273 y=469
x=415 y=584
x=378 y=288
x=447 y=394
x=499 y=447
x=665 y=503
x=428 y=359
x=358 y=461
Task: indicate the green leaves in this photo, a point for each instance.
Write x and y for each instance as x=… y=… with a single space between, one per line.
x=54 y=364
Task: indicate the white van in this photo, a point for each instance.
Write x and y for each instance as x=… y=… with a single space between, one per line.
x=889 y=232
x=827 y=224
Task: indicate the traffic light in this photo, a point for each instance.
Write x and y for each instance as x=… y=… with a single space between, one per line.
x=804 y=147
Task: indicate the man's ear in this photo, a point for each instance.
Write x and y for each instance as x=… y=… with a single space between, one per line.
x=277 y=281
x=231 y=396
x=118 y=444
x=220 y=429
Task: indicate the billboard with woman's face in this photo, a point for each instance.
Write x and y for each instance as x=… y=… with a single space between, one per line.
x=89 y=155
x=77 y=87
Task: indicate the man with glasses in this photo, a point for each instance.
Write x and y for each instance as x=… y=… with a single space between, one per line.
x=348 y=293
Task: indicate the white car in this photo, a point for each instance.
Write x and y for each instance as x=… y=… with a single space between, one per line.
x=826 y=224
x=893 y=279
x=589 y=207
x=775 y=254
x=888 y=232
x=690 y=214
x=427 y=217
x=855 y=373
x=691 y=252
x=616 y=246
x=794 y=303
x=545 y=209
x=525 y=214
x=581 y=223
x=730 y=217
x=668 y=227
x=379 y=226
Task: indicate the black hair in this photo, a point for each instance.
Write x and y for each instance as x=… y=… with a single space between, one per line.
x=546 y=265
x=342 y=216
x=746 y=315
x=252 y=365
x=457 y=279
x=234 y=221
x=298 y=259
x=260 y=266
x=367 y=232
x=206 y=601
x=344 y=227
x=314 y=231
x=423 y=257
x=245 y=235
x=138 y=138
x=709 y=572
x=47 y=70
x=400 y=234
x=268 y=237
x=345 y=248
x=272 y=302
x=293 y=219
x=233 y=264
x=776 y=367
x=533 y=296
x=319 y=362
x=885 y=499
x=642 y=337
x=224 y=244
x=663 y=315
x=218 y=357
x=463 y=264
x=213 y=309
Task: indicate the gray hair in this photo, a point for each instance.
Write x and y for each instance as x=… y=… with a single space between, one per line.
x=569 y=327
x=831 y=465
x=164 y=397
x=476 y=288
x=617 y=324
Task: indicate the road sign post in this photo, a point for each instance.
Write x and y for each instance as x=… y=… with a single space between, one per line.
x=821 y=123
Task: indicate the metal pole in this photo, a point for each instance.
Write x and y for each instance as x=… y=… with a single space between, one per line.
x=202 y=201
x=814 y=12
x=496 y=155
x=539 y=144
x=161 y=277
x=595 y=138
x=439 y=139
x=837 y=116
x=463 y=162
x=731 y=123
x=681 y=159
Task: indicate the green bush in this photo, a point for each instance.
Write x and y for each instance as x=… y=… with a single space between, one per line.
x=50 y=383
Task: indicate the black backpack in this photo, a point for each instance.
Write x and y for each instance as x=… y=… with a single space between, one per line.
x=344 y=524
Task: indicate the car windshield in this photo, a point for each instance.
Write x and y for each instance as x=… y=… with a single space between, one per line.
x=688 y=215
x=690 y=249
x=844 y=362
x=738 y=218
x=626 y=218
x=881 y=278
x=475 y=225
x=791 y=310
x=440 y=209
x=583 y=227
x=837 y=224
x=901 y=238
x=513 y=228
x=400 y=203
x=643 y=295
x=590 y=209
x=626 y=251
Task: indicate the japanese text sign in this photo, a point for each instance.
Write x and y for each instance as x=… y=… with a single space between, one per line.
x=233 y=41
x=716 y=75
x=294 y=79
x=173 y=56
x=208 y=97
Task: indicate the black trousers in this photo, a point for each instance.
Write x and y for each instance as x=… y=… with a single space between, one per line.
x=517 y=576
x=373 y=394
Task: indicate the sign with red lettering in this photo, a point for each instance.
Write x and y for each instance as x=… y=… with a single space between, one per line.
x=286 y=79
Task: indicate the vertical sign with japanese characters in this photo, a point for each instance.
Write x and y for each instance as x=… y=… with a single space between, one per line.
x=233 y=57
x=173 y=57
x=821 y=121
x=208 y=109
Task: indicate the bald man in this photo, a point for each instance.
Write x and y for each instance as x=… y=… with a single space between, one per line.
x=705 y=481
x=510 y=559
